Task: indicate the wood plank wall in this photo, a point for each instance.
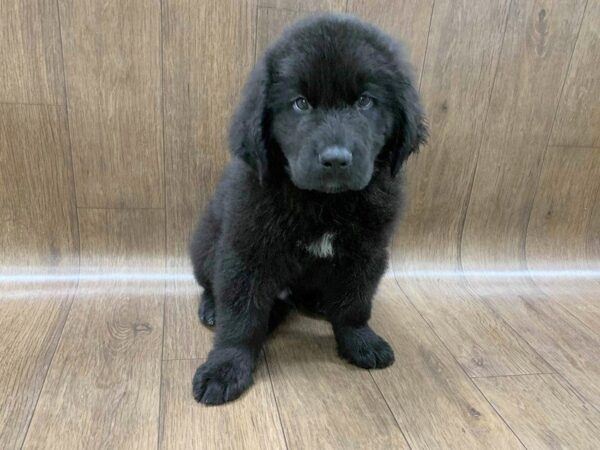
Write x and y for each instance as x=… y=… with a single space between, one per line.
x=125 y=105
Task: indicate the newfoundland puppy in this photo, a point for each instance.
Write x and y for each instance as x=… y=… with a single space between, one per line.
x=304 y=212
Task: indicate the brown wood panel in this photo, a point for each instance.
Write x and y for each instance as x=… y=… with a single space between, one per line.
x=481 y=341
x=593 y=233
x=433 y=399
x=246 y=423
x=562 y=229
x=102 y=388
x=323 y=401
x=250 y=422
x=31 y=319
x=185 y=336
x=112 y=68
x=543 y=412
x=578 y=116
x=306 y=5
x=405 y=20
x=38 y=225
x=31 y=69
x=462 y=53
x=562 y=212
x=270 y=23
x=571 y=348
x=576 y=294
x=538 y=42
x=208 y=52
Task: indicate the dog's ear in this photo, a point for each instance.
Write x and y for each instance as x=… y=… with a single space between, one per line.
x=410 y=128
x=249 y=129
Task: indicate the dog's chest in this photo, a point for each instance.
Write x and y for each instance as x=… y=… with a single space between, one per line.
x=322 y=247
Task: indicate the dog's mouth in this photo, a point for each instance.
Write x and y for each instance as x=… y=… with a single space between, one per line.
x=334 y=188
x=325 y=183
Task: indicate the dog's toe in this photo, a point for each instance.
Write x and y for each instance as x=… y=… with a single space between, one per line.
x=221 y=379
x=363 y=348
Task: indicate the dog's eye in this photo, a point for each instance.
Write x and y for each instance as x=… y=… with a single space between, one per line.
x=301 y=104
x=364 y=102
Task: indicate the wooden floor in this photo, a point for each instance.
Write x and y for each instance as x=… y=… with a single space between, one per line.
x=113 y=124
x=480 y=363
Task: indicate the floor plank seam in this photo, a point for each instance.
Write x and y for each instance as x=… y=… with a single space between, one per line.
x=499 y=415
x=67 y=117
x=31 y=104
x=285 y=439
x=550 y=133
x=457 y=362
x=557 y=372
x=257 y=7
x=480 y=377
x=162 y=120
x=390 y=409
x=578 y=394
x=563 y=308
x=426 y=45
x=162 y=363
x=72 y=296
x=562 y=88
x=504 y=320
x=160 y=386
x=124 y=208
x=197 y=358
x=582 y=147
x=465 y=209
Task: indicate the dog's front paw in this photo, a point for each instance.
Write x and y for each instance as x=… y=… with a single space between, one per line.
x=223 y=377
x=363 y=348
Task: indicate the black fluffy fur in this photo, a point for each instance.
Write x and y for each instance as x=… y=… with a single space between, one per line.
x=250 y=245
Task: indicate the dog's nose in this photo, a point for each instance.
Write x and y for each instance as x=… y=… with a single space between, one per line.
x=335 y=158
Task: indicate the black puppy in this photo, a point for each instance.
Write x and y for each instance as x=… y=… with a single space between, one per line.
x=305 y=211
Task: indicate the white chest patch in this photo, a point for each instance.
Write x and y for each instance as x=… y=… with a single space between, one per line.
x=322 y=247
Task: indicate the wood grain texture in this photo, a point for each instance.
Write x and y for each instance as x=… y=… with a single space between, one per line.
x=405 y=20
x=593 y=234
x=185 y=336
x=487 y=192
x=323 y=401
x=570 y=348
x=270 y=23
x=480 y=340
x=432 y=398
x=562 y=230
x=30 y=53
x=306 y=5
x=112 y=68
x=250 y=422
x=561 y=220
x=462 y=52
x=208 y=52
x=31 y=319
x=578 y=116
x=38 y=224
x=543 y=411
x=102 y=389
x=538 y=42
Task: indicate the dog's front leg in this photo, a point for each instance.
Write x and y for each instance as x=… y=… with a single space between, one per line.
x=242 y=325
x=348 y=305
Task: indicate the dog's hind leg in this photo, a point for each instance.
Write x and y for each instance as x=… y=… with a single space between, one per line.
x=202 y=253
x=279 y=312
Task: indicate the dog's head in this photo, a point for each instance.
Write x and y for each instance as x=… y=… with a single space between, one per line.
x=325 y=102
